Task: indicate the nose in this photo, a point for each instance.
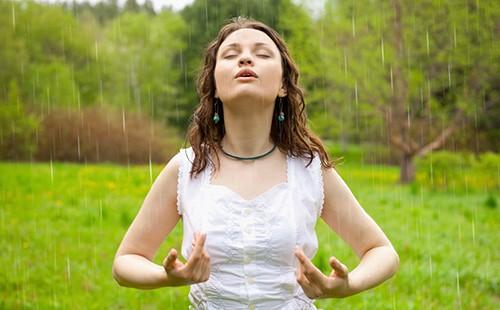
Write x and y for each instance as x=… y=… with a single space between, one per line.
x=245 y=60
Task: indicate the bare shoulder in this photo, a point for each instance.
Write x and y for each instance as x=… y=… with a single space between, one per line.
x=171 y=169
x=333 y=183
x=166 y=182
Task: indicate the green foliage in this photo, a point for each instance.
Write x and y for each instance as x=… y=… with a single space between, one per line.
x=448 y=63
x=491 y=202
x=139 y=52
x=362 y=153
x=17 y=128
x=445 y=170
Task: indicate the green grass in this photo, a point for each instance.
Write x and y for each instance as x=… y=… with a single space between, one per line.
x=60 y=227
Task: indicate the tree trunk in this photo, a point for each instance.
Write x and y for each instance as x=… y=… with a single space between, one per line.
x=407 y=174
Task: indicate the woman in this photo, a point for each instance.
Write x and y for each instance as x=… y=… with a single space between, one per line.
x=249 y=191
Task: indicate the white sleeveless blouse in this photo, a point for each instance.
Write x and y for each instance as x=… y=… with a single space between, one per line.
x=251 y=242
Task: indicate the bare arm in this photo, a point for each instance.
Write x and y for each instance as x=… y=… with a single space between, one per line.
x=133 y=266
x=343 y=213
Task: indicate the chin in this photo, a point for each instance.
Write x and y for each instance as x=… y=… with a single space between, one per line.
x=251 y=95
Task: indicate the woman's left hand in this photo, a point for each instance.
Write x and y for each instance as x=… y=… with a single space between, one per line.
x=315 y=284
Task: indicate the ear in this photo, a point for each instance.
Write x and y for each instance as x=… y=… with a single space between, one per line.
x=282 y=92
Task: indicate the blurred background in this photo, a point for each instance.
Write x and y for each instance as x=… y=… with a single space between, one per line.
x=96 y=97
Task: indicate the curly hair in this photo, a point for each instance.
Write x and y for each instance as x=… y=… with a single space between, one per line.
x=291 y=137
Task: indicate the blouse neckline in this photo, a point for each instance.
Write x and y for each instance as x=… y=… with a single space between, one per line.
x=259 y=197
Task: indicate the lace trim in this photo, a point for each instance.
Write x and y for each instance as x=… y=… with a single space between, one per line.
x=181 y=177
x=319 y=175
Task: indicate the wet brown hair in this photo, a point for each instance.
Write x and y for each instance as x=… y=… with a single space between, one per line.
x=292 y=136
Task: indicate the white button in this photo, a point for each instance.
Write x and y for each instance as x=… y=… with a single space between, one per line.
x=251 y=307
x=247 y=259
x=247 y=229
x=247 y=211
x=250 y=280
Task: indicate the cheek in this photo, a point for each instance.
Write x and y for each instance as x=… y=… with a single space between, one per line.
x=222 y=76
x=273 y=76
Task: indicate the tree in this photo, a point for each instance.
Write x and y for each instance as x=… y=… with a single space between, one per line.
x=139 y=53
x=414 y=67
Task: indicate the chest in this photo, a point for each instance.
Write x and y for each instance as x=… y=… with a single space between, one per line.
x=240 y=231
x=249 y=180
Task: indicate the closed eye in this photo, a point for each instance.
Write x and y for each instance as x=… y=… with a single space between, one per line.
x=260 y=55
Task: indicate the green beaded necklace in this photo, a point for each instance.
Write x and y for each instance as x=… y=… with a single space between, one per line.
x=247 y=158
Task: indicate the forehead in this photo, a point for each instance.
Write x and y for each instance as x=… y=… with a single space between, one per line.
x=248 y=37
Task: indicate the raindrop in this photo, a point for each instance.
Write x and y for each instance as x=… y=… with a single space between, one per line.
x=356 y=104
x=353 y=26
x=356 y=93
x=78 y=100
x=100 y=212
x=431 y=169
x=97 y=151
x=96 y=51
x=345 y=62
x=13 y=16
x=68 y=268
x=473 y=232
x=454 y=36
x=449 y=74
x=408 y=116
x=78 y=145
x=427 y=40
x=101 y=96
x=123 y=120
x=51 y=171
x=392 y=81
x=430 y=267
x=382 y=50
x=48 y=99
x=150 y=167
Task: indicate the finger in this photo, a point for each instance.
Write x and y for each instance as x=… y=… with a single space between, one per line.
x=198 y=264
x=301 y=278
x=199 y=272
x=196 y=252
x=312 y=273
x=341 y=270
x=204 y=269
x=199 y=244
x=306 y=286
x=170 y=260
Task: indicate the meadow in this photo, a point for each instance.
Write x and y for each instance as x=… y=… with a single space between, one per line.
x=61 y=223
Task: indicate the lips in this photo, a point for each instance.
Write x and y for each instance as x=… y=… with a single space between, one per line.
x=245 y=73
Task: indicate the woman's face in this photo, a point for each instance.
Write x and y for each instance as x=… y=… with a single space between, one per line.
x=248 y=65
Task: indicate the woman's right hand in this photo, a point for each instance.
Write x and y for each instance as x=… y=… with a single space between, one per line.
x=196 y=269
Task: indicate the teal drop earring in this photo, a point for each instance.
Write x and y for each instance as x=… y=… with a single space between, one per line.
x=216 y=117
x=281 y=115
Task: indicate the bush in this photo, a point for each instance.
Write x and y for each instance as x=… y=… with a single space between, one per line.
x=445 y=170
x=103 y=134
x=363 y=154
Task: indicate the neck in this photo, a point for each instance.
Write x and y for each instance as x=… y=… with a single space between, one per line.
x=248 y=132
